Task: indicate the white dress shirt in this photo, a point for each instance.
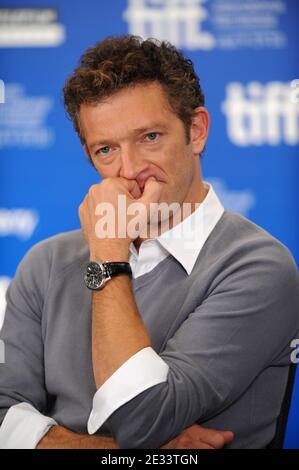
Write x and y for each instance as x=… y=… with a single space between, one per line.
x=24 y=426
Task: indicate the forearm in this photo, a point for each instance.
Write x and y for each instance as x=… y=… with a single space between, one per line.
x=59 y=437
x=118 y=331
x=194 y=437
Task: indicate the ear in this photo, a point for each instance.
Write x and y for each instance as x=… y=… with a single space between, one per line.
x=199 y=129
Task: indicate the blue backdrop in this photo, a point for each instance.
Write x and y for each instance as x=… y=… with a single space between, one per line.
x=246 y=54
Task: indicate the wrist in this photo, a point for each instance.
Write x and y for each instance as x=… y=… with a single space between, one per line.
x=110 y=252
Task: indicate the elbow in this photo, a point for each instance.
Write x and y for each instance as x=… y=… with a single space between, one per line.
x=145 y=423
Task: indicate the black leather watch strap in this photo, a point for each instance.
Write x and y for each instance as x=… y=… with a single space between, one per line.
x=119 y=267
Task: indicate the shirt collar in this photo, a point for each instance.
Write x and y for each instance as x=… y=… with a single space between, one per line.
x=186 y=239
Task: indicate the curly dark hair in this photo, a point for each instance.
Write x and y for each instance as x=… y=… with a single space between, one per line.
x=122 y=61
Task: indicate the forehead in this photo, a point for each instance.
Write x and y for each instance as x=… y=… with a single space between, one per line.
x=133 y=107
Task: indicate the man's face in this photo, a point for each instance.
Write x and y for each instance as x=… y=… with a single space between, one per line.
x=135 y=134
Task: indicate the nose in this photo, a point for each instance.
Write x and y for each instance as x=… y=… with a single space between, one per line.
x=131 y=164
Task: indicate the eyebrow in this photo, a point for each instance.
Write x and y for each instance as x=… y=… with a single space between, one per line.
x=138 y=130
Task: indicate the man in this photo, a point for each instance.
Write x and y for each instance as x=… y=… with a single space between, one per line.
x=193 y=325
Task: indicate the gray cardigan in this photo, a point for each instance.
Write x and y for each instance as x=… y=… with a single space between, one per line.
x=224 y=331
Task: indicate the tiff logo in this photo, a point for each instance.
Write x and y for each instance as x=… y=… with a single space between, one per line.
x=261 y=114
x=2 y=92
x=178 y=21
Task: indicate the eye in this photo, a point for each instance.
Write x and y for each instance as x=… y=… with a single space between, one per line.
x=152 y=136
x=103 y=150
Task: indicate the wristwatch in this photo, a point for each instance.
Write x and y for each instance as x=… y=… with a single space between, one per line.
x=99 y=272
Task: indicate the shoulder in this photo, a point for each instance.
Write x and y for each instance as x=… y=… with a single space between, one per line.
x=64 y=247
x=43 y=265
x=251 y=272
x=241 y=238
x=52 y=257
x=250 y=262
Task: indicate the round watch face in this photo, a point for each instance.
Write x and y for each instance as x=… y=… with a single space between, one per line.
x=95 y=275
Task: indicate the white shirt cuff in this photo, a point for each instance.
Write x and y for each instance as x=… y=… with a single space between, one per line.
x=23 y=427
x=140 y=372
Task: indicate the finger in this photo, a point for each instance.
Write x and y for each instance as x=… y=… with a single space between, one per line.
x=218 y=439
x=131 y=186
x=214 y=438
x=81 y=211
x=152 y=191
x=201 y=445
x=228 y=436
x=187 y=444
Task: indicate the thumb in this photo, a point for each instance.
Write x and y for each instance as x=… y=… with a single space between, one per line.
x=228 y=436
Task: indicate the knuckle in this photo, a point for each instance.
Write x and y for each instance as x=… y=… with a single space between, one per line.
x=183 y=442
x=92 y=190
x=107 y=181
